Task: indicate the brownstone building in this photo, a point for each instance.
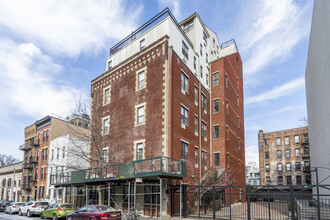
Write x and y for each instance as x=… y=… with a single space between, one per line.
x=284 y=157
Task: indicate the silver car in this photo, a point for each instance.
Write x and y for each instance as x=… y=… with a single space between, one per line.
x=13 y=207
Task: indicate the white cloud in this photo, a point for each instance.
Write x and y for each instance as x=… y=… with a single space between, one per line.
x=277 y=27
x=69 y=27
x=252 y=154
x=173 y=5
x=288 y=108
x=28 y=82
x=283 y=90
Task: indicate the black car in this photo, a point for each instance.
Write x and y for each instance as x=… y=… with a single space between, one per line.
x=4 y=204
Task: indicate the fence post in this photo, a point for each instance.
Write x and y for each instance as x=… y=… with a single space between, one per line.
x=292 y=202
x=180 y=199
x=268 y=195
x=213 y=202
x=318 y=194
x=248 y=202
x=199 y=201
x=230 y=202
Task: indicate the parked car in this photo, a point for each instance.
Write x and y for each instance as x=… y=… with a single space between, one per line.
x=95 y=212
x=3 y=205
x=13 y=207
x=57 y=210
x=32 y=208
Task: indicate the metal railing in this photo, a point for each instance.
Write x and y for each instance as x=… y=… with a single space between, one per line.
x=227 y=43
x=162 y=166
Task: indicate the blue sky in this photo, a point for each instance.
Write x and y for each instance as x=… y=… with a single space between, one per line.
x=51 y=50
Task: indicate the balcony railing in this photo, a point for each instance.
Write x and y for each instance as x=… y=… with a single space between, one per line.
x=227 y=43
x=157 y=166
x=26 y=186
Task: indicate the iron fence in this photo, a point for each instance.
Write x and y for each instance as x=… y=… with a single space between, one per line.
x=251 y=202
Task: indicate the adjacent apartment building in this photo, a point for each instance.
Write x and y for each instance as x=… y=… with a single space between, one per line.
x=318 y=92
x=36 y=152
x=169 y=107
x=10 y=182
x=252 y=174
x=284 y=157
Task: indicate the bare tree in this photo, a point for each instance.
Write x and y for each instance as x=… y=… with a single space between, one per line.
x=304 y=120
x=7 y=160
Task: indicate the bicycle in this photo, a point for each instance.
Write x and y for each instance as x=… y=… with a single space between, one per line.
x=130 y=215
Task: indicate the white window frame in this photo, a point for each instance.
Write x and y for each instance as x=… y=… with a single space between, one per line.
x=184 y=82
x=137 y=82
x=103 y=123
x=184 y=111
x=214 y=126
x=142 y=43
x=105 y=100
x=137 y=107
x=214 y=100
x=142 y=141
x=217 y=79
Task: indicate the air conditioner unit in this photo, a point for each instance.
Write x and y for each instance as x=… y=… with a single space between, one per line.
x=184 y=59
x=183 y=126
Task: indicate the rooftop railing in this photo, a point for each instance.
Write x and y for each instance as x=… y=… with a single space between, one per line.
x=157 y=166
x=141 y=30
x=227 y=43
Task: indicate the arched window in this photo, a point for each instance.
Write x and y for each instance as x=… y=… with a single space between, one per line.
x=3 y=182
x=9 y=182
x=31 y=159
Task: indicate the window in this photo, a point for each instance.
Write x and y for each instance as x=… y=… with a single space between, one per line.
x=196 y=155
x=298 y=166
x=213 y=43
x=206 y=57
x=296 y=139
x=106 y=126
x=286 y=140
x=106 y=95
x=267 y=167
x=279 y=154
x=196 y=125
x=39 y=138
x=239 y=165
x=42 y=173
x=306 y=151
x=203 y=129
x=52 y=154
x=139 y=151
x=151 y=195
x=58 y=153
x=288 y=167
x=287 y=153
x=44 y=136
x=266 y=143
x=238 y=101
x=184 y=115
x=196 y=95
x=298 y=180
x=279 y=167
x=267 y=179
x=226 y=80
x=184 y=150
x=207 y=78
x=63 y=152
x=46 y=157
x=307 y=165
x=216 y=106
x=305 y=138
x=216 y=159
x=204 y=36
x=185 y=50
x=308 y=179
x=37 y=156
x=204 y=158
x=142 y=44
x=201 y=50
x=278 y=141
x=227 y=107
x=227 y=133
x=288 y=180
x=195 y=62
x=184 y=82
x=201 y=72
x=43 y=154
x=280 y=180
x=237 y=83
x=141 y=80
x=203 y=101
x=140 y=115
x=109 y=64
x=215 y=79
x=267 y=155
x=216 y=132
x=297 y=152
x=47 y=135
x=238 y=124
x=188 y=27
x=239 y=143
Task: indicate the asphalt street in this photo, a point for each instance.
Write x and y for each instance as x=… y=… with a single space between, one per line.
x=4 y=216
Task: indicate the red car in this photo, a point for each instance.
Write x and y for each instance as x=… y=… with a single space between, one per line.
x=95 y=212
